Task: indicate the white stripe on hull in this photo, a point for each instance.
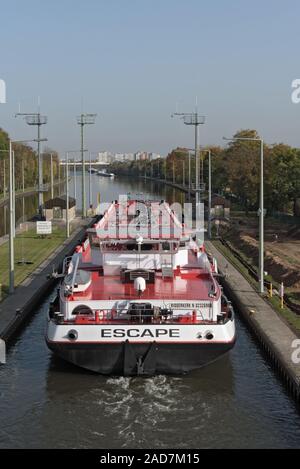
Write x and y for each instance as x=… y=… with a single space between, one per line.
x=136 y=333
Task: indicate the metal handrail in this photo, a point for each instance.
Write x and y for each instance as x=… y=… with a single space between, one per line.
x=74 y=273
x=112 y=315
x=66 y=263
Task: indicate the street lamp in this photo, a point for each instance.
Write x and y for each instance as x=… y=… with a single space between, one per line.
x=261 y=211
x=82 y=120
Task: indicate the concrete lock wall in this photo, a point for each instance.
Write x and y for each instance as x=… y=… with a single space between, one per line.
x=2 y=352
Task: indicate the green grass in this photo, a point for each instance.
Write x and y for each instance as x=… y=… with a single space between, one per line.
x=30 y=247
x=292 y=318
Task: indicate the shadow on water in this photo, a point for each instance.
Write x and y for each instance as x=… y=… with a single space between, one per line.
x=62 y=375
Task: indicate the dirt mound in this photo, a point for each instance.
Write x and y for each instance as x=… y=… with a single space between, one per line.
x=281 y=270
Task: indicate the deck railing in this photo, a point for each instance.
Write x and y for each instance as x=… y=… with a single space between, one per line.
x=145 y=316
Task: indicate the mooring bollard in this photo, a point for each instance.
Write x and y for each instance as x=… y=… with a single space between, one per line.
x=271 y=290
x=2 y=352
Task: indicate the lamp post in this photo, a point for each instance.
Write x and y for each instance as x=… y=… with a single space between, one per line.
x=82 y=120
x=261 y=210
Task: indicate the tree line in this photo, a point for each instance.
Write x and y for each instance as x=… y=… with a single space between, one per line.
x=26 y=160
x=235 y=172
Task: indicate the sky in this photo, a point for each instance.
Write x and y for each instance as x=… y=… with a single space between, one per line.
x=135 y=62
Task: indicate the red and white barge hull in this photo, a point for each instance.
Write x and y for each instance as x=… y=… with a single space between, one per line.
x=141 y=349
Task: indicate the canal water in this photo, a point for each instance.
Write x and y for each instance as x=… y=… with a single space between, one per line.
x=237 y=402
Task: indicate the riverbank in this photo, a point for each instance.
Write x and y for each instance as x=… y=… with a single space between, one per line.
x=17 y=308
x=275 y=336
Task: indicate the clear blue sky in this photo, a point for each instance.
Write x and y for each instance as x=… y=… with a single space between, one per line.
x=131 y=61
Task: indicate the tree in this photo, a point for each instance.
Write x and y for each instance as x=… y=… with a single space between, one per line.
x=25 y=157
x=284 y=178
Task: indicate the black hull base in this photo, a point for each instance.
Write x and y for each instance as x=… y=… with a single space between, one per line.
x=140 y=359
